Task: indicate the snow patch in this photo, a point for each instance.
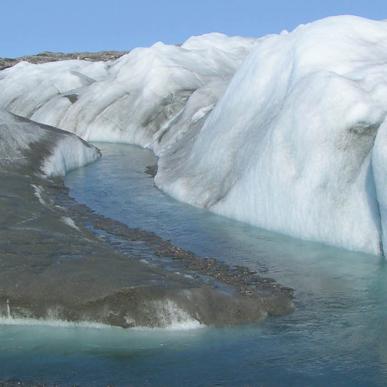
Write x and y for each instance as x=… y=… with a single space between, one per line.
x=67 y=220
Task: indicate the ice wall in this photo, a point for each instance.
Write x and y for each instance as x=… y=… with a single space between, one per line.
x=288 y=147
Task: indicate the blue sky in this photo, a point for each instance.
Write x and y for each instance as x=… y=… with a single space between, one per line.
x=31 y=26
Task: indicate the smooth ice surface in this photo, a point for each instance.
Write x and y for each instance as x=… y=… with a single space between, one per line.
x=285 y=132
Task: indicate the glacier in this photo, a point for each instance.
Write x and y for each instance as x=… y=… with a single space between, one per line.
x=286 y=132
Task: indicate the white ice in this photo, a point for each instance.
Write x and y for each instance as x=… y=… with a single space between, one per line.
x=128 y=100
x=289 y=145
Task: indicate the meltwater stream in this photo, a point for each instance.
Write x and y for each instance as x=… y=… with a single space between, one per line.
x=337 y=335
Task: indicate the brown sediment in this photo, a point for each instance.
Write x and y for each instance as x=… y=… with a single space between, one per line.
x=51 y=270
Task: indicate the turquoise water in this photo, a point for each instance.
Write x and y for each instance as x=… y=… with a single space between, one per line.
x=337 y=336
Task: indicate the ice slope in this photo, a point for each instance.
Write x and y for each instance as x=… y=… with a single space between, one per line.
x=127 y=100
x=289 y=145
x=40 y=149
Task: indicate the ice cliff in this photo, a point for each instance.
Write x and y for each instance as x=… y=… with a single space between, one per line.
x=286 y=132
x=290 y=145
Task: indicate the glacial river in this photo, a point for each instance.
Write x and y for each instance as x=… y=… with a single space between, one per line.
x=337 y=335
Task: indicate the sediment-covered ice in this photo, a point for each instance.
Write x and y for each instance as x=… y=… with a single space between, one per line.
x=286 y=132
x=40 y=148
